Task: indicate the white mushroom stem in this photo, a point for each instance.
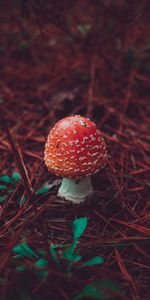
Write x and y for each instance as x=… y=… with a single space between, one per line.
x=75 y=190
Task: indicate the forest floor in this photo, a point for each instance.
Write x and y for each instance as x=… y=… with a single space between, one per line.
x=58 y=59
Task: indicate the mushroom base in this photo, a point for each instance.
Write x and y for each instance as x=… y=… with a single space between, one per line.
x=75 y=190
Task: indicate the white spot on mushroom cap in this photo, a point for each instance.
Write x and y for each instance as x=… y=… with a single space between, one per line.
x=101 y=155
x=90 y=163
x=82 y=123
x=82 y=158
x=96 y=147
x=84 y=164
x=89 y=153
x=98 y=132
x=76 y=170
x=76 y=141
x=71 y=143
x=74 y=131
x=58 y=154
x=95 y=161
x=64 y=144
x=69 y=169
x=72 y=150
x=94 y=154
x=67 y=153
x=97 y=170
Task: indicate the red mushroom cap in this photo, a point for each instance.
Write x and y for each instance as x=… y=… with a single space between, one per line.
x=75 y=148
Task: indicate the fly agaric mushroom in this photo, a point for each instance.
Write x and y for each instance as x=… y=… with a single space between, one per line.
x=75 y=149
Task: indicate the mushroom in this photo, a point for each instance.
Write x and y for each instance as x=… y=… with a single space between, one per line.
x=75 y=149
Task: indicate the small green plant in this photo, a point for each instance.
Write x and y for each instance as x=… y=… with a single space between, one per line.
x=7 y=185
x=84 y=29
x=59 y=253
x=99 y=289
x=69 y=254
x=102 y=289
x=138 y=58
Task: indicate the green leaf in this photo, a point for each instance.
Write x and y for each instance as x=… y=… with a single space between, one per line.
x=10 y=191
x=15 y=177
x=3 y=198
x=84 y=28
x=79 y=226
x=1 y=100
x=99 y=289
x=147 y=47
x=41 y=263
x=23 y=250
x=85 y=77
x=97 y=260
x=130 y=57
x=2 y=186
x=42 y=252
x=21 y=268
x=54 y=255
x=42 y=190
x=23 y=45
x=42 y=274
x=118 y=245
x=5 y=178
x=70 y=255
